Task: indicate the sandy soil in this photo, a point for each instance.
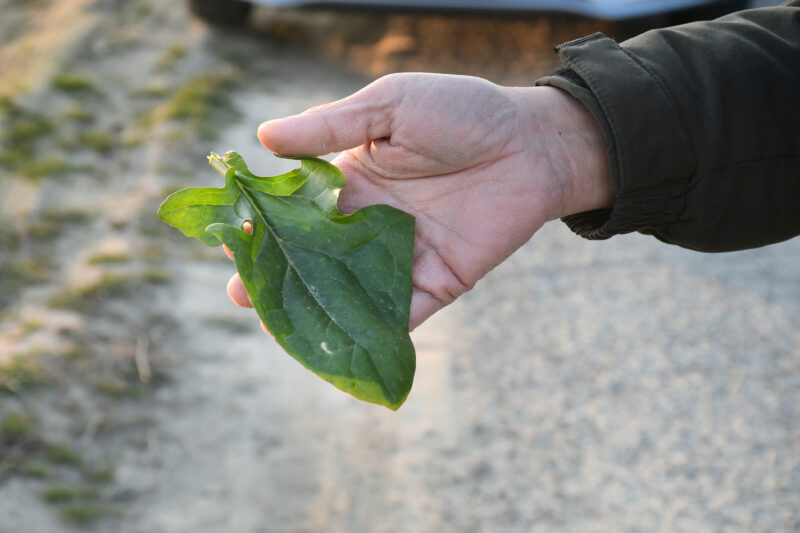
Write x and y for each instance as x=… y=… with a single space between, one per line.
x=619 y=386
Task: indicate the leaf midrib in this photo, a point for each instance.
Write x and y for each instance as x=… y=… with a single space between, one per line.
x=243 y=189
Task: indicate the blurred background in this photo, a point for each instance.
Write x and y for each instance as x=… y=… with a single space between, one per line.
x=616 y=386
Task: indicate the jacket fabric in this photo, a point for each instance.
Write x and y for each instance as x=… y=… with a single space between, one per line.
x=702 y=122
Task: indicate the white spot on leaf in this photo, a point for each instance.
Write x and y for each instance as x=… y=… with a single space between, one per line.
x=325 y=347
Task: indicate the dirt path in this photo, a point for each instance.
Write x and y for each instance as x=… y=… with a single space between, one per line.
x=146 y=400
x=622 y=387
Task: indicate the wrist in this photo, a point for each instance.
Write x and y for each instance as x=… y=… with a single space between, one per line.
x=568 y=144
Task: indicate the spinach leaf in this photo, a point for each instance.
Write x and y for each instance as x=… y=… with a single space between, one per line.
x=333 y=289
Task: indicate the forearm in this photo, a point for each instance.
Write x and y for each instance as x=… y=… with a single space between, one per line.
x=701 y=122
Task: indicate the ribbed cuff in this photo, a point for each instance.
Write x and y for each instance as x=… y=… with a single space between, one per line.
x=649 y=154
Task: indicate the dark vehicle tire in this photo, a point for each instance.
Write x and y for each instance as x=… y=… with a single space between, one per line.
x=221 y=12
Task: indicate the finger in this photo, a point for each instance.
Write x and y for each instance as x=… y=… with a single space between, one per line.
x=337 y=126
x=247 y=227
x=423 y=305
x=237 y=292
x=264 y=327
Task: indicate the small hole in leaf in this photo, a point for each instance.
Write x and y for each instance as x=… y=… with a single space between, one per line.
x=247 y=227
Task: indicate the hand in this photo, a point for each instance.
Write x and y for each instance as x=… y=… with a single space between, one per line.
x=480 y=166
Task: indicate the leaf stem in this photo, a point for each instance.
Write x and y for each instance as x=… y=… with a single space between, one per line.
x=218 y=163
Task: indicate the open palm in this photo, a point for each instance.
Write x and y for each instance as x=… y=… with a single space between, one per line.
x=472 y=161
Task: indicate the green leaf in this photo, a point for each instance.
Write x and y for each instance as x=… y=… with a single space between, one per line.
x=333 y=289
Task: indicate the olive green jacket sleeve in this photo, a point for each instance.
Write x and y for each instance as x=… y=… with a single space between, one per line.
x=703 y=128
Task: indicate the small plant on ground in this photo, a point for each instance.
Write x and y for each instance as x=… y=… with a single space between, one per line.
x=34 y=469
x=87 y=298
x=63 y=454
x=72 y=82
x=99 y=141
x=20 y=371
x=197 y=104
x=22 y=131
x=14 y=427
x=84 y=514
x=170 y=57
x=109 y=257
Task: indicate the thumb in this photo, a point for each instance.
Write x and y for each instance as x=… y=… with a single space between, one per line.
x=334 y=127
